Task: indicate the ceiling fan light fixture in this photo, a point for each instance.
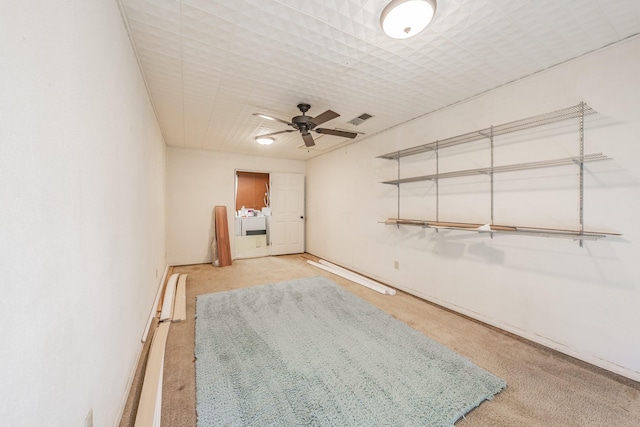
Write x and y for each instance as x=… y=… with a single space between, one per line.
x=402 y=19
x=264 y=140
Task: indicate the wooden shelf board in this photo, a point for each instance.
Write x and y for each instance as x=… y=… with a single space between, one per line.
x=498 y=228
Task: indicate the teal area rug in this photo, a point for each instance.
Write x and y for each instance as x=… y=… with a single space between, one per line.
x=308 y=353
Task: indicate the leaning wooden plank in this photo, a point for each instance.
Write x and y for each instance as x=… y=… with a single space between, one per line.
x=180 y=304
x=222 y=236
x=167 y=302
x=214 y=241
x=151 y=395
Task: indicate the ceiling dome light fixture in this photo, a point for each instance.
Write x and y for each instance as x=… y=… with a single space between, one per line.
x=264 y=140
x=402 y=19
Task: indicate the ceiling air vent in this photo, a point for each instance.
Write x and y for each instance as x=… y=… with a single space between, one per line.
x=360 y=119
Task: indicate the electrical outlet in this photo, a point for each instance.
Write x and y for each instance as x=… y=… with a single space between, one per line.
x=88 y=422
x=396 y=265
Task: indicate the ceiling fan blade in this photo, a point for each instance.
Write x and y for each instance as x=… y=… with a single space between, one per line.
x=308 y=140
x=276 y=133
x=336 y=132
x=324 y=117
x=275 y=119
x=352 y=131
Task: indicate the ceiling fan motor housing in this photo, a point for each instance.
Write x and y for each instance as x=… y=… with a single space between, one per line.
x=303 y=123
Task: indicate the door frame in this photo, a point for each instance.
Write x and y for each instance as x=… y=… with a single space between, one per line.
x=235 y=196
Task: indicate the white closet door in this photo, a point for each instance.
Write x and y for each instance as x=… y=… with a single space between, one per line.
x=287 y=213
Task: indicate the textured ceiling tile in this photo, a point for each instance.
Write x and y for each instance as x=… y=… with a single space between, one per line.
x=155 y=38
x=198 y=25
x=569 y=29
x=624 y=17
x=160 y=13
x=210 y=64
x=220 y=9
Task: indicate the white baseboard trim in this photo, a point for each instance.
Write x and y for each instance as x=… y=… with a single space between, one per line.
x=155 y=303
x=132 y=373
x=593 y=360
x=132 y=376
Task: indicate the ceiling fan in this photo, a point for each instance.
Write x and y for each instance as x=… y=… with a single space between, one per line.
x=304 y=124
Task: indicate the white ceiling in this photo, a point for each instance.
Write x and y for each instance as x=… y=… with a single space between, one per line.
x=210 y=64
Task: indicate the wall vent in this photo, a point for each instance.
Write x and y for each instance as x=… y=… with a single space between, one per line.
x=360 y=119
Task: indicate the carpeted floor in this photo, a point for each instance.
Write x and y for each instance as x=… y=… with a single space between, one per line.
x=307 y=352
x=545 y=388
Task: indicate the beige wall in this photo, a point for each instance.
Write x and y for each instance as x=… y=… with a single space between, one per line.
x=82 y=222
x=196 y=182
x=582 y=301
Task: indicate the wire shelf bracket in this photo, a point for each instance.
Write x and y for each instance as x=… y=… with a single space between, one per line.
x=574 y=112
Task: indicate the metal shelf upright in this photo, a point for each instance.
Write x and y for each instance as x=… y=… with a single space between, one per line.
x=574 y=112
